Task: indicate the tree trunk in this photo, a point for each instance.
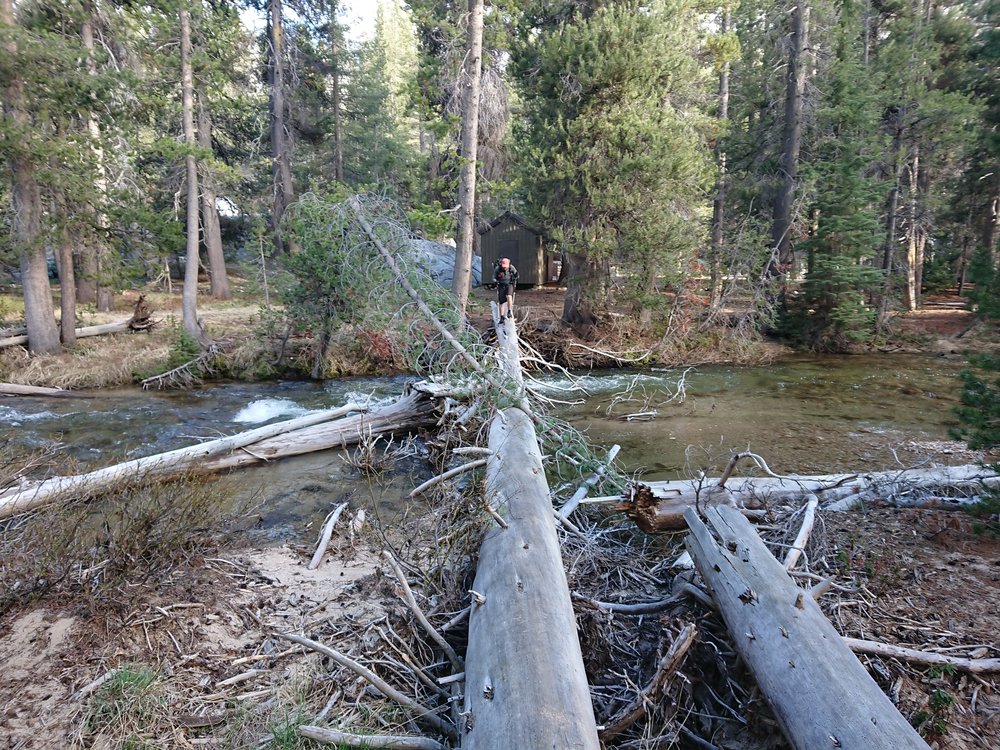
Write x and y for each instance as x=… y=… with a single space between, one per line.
x=781 y=228
x=26 y=214
x=79 y=333
x=991 y=228
x=92 y=287
x=525 y=683
x=189 y=298
x=67 y=285
x=580 y=275
x=471 y=75
x=719 y=202
x=338 y=118
x=912 y=232
x=209 y=211
x=891 y=221
x=313 y=432
x=280 y=147
x=819 y=691
x=660 y=506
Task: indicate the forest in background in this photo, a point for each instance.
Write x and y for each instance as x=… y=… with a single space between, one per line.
x=819 y=164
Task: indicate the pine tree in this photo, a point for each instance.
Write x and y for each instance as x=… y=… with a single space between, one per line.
x=839 y=276
x=613 y=147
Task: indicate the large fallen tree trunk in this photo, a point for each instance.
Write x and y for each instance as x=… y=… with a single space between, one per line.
x=525 y=684
x=821 y=694
x=660 y=506
x=313 y=432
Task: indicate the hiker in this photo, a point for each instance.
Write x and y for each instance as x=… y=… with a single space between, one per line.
x=506 y=278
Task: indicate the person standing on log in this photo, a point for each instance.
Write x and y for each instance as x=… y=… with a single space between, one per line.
x=506 y=278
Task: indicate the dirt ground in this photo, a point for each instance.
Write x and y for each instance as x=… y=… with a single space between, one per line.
x=925 y=579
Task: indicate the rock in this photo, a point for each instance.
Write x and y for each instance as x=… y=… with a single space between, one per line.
x=439 y=259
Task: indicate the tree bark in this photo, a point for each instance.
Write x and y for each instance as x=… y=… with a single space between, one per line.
x=525 y=684
x=891 y=221
x=578 y=311
x=281 y=167
x=67 y=286
x=819 y=691
x=26 y=218
x=79 y=333
x=209 y=211
x=912 y=232
x=791 y=143
x=719 y=202
x=189 y=298
x=471 y=75
x=92 y=287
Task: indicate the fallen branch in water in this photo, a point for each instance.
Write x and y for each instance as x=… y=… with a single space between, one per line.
x=447 y=475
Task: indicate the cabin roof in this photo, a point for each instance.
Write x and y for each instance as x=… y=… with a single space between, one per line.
x=513 y=217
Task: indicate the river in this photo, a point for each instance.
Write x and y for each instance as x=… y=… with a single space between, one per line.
x=804 y=415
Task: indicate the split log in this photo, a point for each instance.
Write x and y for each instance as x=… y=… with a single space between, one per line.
x=660 y=506
x=821 y=694
x=525 y=683
x=313 y=432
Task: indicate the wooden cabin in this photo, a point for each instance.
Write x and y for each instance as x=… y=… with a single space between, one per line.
x=510 y=236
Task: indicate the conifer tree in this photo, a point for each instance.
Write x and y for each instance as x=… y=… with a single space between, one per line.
x=612 y=146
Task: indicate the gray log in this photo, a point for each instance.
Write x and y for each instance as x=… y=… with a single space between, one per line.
x=820 y=692
x=525 y=683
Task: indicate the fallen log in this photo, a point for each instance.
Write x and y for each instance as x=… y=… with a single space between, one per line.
x=15 y=389
x=313 y=432
x=660 y=506
x=81 y=333
x=821 y=694
x=525 y=683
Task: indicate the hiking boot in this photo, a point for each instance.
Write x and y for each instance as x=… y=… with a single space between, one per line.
x=509 y=314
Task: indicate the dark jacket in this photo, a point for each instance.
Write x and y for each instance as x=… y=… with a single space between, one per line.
x=506 y=276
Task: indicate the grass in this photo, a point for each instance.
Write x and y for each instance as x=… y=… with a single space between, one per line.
x=124 y=707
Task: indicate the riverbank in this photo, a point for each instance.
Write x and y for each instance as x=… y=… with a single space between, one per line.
x=250 y=347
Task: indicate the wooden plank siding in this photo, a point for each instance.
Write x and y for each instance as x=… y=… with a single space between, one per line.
x=508 y=236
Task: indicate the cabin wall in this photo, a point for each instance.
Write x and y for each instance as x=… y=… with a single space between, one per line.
x=508 y=239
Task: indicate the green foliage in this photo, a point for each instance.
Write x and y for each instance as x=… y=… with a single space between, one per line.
x=428 y=221
x=613 y=155
x=838 y=280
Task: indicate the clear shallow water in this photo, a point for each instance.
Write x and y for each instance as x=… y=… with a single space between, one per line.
x=803 y=416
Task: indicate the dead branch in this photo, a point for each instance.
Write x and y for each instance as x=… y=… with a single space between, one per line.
x=593 y=479
x=324 y=539
x=926 y=658
x=803 y=536
x=668 y=665
x=447 y=475
x=330 y=736
x=419 y=711
x=454 y=658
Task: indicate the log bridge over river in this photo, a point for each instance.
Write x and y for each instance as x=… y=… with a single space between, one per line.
x=524 y=680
